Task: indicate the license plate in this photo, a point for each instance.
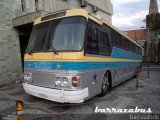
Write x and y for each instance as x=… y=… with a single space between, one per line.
x=42 y=95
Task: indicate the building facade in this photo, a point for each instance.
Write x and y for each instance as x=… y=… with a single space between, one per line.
x=153 y=33
x=139 y=36
x=16 y=20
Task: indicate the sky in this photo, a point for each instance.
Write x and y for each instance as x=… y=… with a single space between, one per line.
x=129 y=14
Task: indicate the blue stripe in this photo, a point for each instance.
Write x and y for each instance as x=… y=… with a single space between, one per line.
x=124 y=54
x=74 y=65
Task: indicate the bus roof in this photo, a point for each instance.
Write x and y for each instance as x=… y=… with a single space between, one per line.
x=79 y=12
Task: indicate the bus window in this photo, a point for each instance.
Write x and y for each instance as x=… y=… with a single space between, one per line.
x=140 y=51
x=125 y=44
x=92 y=43
x=137 y=49
x=128 y=45
x=117 y=40
x=134 y=48
x=103 y=43
x=114 y=39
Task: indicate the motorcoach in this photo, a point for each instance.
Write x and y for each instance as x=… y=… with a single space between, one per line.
x=73 y=55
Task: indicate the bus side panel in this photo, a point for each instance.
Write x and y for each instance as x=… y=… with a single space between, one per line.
x=93 y=80
x=121 y=74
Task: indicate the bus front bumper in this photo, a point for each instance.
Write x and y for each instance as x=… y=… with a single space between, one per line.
x=63 y=96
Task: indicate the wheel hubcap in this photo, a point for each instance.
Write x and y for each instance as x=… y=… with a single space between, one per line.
x=105 y=83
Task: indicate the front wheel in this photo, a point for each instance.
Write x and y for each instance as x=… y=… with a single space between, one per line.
x=105 y=85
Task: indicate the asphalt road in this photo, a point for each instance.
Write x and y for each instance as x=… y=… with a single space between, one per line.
x=123 y=96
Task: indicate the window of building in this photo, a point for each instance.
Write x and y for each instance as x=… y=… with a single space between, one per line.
x=36 y=5
x=23 y=5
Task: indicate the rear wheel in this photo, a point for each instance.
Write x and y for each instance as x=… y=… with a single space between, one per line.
x=105 y=85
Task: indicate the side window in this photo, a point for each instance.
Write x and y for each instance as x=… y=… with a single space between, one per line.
x=137 y=49
x=117 y=39
x=125 y=43
x=103 y=43
x=140 y=51
x=114 y=38
x=128 y=45
x=134 y=48
x=92 y=42
x=120 y=42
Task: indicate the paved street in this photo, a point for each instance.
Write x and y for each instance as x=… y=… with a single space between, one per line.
x=125 y=95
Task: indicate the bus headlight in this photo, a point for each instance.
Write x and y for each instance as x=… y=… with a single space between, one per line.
x=62 y=81
x=28 y=77
x=58 y=81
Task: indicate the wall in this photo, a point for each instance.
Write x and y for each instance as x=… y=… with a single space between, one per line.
x=106 y=7
x=10 y=61
x=140 y=35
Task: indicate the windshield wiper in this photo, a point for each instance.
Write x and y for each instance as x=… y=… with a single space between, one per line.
x=52 y=48
x=30 y=52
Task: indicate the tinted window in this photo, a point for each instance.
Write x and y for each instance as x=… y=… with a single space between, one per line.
x=92 y=42
x=125 y=43
x=103 y=44
x=116 y=39
x=128 y=44
x=134 y=48
x=137 y=49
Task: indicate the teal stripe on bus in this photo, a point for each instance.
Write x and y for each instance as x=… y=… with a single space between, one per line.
x=124 y=54
x=75 y=65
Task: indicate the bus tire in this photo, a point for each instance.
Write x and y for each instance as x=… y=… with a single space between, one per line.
x=105 y=85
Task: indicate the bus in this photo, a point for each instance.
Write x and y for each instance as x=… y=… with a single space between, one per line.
x=73 y=55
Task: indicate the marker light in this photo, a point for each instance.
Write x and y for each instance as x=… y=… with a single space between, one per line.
x=64 y=81
x=61 y=81
x=28 y=77
x=74 y=81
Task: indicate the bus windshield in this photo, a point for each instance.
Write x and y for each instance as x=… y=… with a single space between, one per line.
x=66 y=34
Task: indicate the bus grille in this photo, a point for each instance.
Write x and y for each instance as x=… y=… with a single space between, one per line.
x=43 y=79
